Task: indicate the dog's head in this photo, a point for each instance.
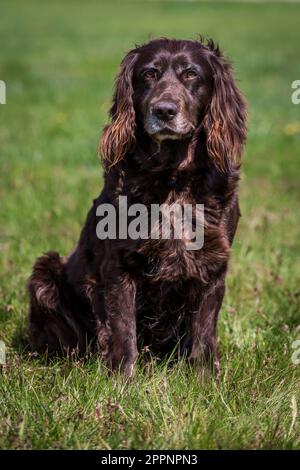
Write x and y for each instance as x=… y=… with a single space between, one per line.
x=172 y=89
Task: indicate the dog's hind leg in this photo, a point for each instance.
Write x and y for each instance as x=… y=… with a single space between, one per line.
x=53 y=327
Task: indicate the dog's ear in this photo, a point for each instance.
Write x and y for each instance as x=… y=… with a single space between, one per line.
x=119 y=136
x=225 y=121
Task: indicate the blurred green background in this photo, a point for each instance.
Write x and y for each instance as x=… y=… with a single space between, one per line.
x=59 y=60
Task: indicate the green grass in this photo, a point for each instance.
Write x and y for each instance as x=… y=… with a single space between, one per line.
x=58 y=61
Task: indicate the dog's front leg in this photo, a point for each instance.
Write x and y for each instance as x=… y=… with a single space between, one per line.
x=203 y=326
x=120 y=350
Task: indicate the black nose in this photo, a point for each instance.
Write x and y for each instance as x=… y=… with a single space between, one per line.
x=165 y=111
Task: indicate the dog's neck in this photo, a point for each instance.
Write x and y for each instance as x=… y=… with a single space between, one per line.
x=168 y=156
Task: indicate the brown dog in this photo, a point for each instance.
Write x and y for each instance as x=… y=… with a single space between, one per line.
x=178 y=126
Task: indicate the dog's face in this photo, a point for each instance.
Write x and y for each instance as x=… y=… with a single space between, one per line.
x=171 y=90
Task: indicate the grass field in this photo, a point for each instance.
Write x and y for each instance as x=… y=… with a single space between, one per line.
x=58 y=60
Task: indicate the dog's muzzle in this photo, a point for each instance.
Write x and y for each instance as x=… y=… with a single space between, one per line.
x=165 y=120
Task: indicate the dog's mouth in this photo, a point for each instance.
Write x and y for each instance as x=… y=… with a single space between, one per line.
x=166 y=133
x=159 y=130
x=171 y=134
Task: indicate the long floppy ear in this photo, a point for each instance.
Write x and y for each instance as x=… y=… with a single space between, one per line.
x=225 y=121
x=119 y=136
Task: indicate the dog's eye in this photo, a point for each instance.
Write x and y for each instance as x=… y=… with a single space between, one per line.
x=151 y=74
x=189 y=74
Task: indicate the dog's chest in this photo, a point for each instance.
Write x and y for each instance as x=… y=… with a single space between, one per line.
x=187 y=239
x=181 y=239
